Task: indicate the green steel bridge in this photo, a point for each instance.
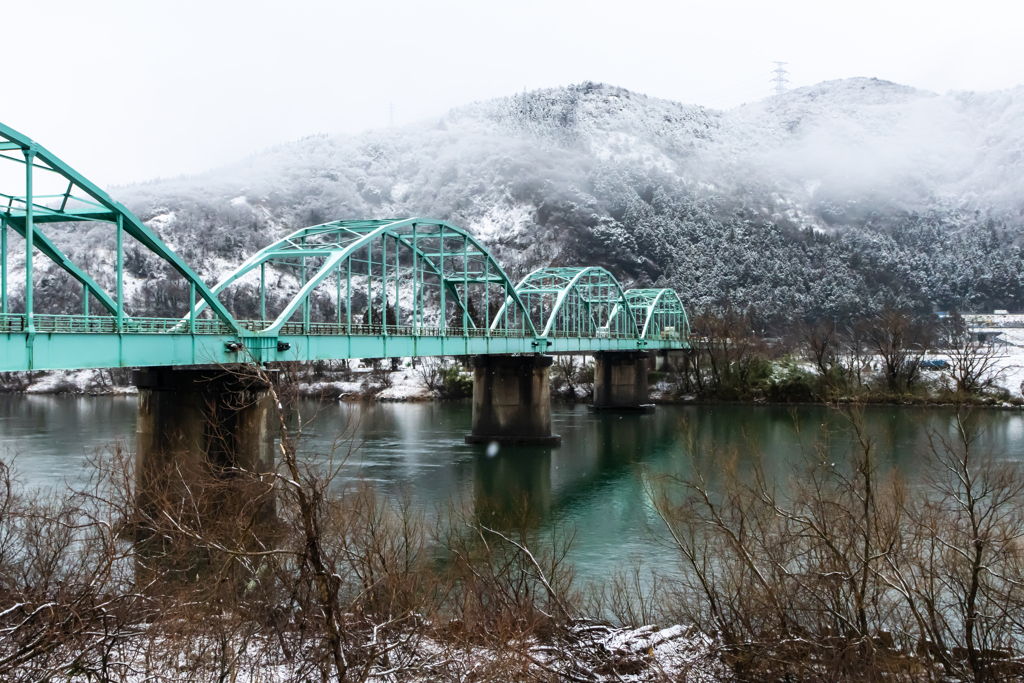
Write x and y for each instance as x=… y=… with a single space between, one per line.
x=397 y=288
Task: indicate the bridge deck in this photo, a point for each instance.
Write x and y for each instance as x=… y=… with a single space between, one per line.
x=56 y=345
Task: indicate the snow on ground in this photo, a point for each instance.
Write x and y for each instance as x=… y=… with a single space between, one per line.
x=1011 y=361
x=1008 y=320
x=678 y=653
x=587 y=651
x=341 y=389
x=77 y=382
x=1009 y=358
x=406 y=385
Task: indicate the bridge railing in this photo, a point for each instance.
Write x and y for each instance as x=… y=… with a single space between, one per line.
x=392 y=330
x=602 y=334
x=100 y=324
x=108 y=324
x=296 y=328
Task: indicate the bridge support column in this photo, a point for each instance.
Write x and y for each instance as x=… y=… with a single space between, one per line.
x=512 y=400
x=209 y=426
x=669 y=360
x=620 y=380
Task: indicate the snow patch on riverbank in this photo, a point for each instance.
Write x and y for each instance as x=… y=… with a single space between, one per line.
x=1011 y=361
x=92 y=381
x=587 y=651
x=406 y=384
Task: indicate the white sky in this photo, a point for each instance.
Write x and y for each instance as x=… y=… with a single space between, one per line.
x=128 y=91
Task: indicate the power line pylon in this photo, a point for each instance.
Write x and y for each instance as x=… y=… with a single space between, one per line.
x=780 y=78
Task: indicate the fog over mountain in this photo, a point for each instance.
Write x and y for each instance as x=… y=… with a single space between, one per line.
x=831 y=200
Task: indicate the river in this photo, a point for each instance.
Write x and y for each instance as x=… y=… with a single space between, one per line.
x=591 y=485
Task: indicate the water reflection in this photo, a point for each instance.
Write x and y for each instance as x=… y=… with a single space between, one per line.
x=592 y=484
x=51 y=437
x=513 y=484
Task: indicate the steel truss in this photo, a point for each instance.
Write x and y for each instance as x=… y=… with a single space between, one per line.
x=659 y=313
x=408 y=276
x=68 y=197
x=576 y=303
x=399 y=287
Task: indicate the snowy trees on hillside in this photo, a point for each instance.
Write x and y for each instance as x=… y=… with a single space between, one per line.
x=656 y=191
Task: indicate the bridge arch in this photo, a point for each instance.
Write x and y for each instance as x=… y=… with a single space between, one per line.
x=52 y=192
x=399 y=269
x=658 y=312
x=576 y=302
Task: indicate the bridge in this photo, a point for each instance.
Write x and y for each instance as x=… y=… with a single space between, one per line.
x=409 y=287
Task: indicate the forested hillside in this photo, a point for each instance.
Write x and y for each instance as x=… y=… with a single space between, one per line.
x=834 y=199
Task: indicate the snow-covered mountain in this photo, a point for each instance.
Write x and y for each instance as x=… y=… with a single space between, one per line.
x=830 y=200
x=878 y=144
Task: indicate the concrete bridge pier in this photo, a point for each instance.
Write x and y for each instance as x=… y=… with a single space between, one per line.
x=620 y=380
x=669 y=360
x=207 y=426
x=512 y=400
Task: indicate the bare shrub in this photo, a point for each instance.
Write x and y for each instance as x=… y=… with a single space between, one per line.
x=728 y=359
x=822 y=343
x=854 y=355
x=14 y=382
x=572 y=377
x=66 y=598
x=966 y=577
x=900 y=340
x=444 y=378
x=633 y=596
x=376 y=381
x=824 y=346
x=430 y=371
x=845 y=572
x=974 y=364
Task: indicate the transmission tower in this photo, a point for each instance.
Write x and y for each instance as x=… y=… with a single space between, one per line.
x=780 y=78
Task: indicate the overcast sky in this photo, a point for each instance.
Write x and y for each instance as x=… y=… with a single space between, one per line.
x=129 y=91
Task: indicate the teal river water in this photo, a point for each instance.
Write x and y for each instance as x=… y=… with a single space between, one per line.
x=592 y=484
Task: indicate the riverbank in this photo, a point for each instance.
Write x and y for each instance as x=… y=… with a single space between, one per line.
x=590 y=518
x=358 y=383
x=593 y=491
x=785 y=381
x=588 y=651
